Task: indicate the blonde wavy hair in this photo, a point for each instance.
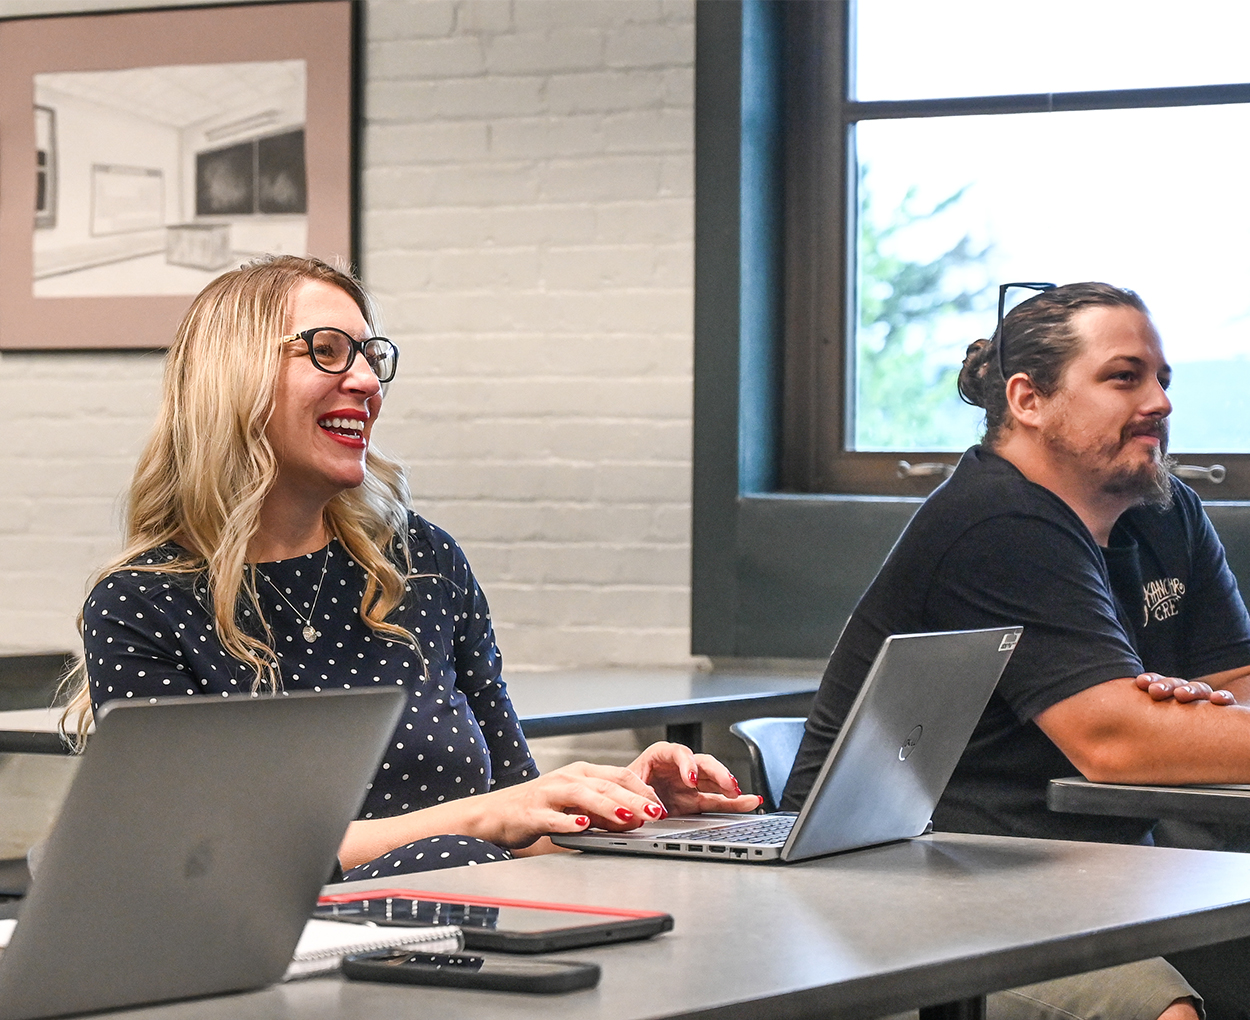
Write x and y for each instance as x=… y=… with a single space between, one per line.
x=208 y=466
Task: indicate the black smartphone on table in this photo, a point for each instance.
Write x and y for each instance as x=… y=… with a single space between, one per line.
x=460 y=971
x=509 y=926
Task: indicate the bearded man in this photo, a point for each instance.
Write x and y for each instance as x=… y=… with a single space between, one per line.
x=1066 y=520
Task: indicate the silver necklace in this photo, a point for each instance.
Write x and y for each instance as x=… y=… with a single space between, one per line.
x=309 y=632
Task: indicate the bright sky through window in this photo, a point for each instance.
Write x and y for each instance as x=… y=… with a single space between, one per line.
x=1153 y=199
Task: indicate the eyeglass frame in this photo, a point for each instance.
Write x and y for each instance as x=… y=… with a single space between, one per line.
x=999 y=338
x=354 y=347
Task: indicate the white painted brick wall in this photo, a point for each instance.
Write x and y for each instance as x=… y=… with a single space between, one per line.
x=528 y=228
x=84 y=419
x=528 y=224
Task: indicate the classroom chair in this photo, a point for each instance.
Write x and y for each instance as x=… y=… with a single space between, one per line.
x=772 y=743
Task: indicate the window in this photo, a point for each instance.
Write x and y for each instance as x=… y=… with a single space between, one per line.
x=263 y=175
x=944 y=148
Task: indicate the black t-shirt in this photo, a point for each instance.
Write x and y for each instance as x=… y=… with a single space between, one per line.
x=990 y=548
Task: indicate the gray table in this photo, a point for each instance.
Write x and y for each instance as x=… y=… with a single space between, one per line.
x=933 y=923
x=585 y=701
x=581 y=701
x=1189 y=803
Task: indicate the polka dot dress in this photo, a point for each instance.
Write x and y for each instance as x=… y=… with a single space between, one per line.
x=148 y=634
x=429 y=854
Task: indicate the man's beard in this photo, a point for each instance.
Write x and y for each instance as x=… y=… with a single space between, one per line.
x=1151 y=482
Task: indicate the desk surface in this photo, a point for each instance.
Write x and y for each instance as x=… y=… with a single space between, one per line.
x=915 y=923
x=581 y=701
x=1190 y=803
x=30 y=731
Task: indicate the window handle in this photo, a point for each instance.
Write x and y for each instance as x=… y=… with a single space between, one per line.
x=929 y=469
x=1191 y=472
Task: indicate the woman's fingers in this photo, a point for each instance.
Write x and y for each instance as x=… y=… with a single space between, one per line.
x=667 y=765
x=562 y=822
x=669 y=759
x=623 y=778
x=715 y=778
x=613 y=798
x=581 y=795
x=717 y=802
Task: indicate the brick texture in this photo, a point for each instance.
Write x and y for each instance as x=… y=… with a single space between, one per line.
x=528 y=228
x=528 y=224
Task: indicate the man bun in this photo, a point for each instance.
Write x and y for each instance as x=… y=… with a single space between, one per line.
x=972 y=376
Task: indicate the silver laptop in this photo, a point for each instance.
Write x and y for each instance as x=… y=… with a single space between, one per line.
x=883 y=777
x=191 y=847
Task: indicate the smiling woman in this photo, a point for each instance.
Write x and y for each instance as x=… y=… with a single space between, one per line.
x=270 y=547
x=317 y=458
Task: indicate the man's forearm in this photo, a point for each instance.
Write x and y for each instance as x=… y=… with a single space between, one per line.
x=1114 y=733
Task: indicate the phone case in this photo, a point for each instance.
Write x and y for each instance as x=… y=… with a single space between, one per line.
x=459 y=971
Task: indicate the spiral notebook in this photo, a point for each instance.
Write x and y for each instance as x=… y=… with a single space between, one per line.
x=324 y=944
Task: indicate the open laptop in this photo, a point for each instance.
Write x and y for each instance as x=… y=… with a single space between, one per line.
x=883 y=777
x=191 y=847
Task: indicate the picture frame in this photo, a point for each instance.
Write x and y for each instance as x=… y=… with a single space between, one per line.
x=143 y=153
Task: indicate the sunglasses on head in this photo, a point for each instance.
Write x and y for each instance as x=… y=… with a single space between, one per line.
x=1002 y=304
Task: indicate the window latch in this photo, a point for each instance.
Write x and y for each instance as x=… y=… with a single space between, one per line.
x=1196 y=472
x=929 y=469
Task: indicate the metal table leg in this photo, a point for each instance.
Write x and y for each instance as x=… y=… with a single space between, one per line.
x=690 y=734
x=960 y=1009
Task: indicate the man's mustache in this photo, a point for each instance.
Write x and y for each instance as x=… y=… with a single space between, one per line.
x=1156 y=427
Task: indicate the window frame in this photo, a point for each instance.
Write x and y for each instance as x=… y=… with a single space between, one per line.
x=820 y=240
x=775 y=574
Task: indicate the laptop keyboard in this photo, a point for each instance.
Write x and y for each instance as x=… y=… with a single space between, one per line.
x=768 y=829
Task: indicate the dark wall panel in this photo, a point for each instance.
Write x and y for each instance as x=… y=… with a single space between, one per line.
x=804 y=561
x=1232 y=521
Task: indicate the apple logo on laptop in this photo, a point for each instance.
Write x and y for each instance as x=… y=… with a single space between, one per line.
x=909 y=745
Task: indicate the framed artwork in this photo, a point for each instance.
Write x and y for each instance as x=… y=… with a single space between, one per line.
x=146 y=152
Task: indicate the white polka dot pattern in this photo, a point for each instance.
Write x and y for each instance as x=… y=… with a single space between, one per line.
x=150 y=634
x=429 y=854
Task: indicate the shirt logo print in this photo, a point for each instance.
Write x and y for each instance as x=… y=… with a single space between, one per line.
x=1162 y=599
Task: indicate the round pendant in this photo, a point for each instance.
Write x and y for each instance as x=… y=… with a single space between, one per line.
x=310 y=633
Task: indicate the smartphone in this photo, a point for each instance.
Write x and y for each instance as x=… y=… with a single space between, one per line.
x=507 y=926
x=459 y=971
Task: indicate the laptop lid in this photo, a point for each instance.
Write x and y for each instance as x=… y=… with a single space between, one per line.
x=191 y=847
x=901 y=741
x=883 y=776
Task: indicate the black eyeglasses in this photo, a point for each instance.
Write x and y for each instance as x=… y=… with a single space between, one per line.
x=333 y=351
x=1002 y=303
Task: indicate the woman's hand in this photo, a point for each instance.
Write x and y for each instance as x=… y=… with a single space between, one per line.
x=689 y=783
x=570 y=799
x=1161 y=688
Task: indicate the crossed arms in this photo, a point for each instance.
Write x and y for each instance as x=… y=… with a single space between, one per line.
x=1154 y=729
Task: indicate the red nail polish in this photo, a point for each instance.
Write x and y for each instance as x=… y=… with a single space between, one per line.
x=582 y=820
x=624 y=814
x=654 y=810
x=761 y=803
x=694 y=777
x=737 y=788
